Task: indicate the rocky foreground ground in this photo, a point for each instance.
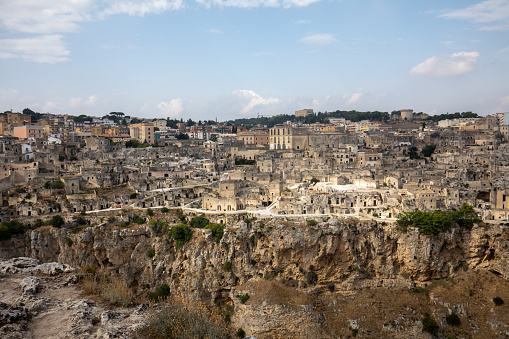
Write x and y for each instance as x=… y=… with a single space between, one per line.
x=44 y=301
x=334 y=280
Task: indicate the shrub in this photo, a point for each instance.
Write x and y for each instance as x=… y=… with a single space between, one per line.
x=453 y=319
x=498 y=301
x=185 y=320
x=82 y=221
x=311 y=222
x=433 y=223
x=181 y=234
x=158 y=226
x=227 y=266
x=56 y=221
x=150 y=213
x=241 y=333
x=133 y=196
x=57 y=184
x=151 y=252
x=111 y=289
x=217 y=231
x=89 y=270
x=139 y=220
x=199 y=222
x=164 y=210
x=10 y=228
x=429 y=325
x=311 y=278
x=243 y=297
x=161 y=293
x=69 y=242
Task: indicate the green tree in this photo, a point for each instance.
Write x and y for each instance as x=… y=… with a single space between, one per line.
x=428 y=150
x=199 y=222
x=181 y=234
x=182 y=136
x=56 y=221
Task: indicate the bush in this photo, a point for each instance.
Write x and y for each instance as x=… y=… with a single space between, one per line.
x=133 y=196
x=453 y=319
x=89 y=270
x=429 y=325
x=243 y=297
x=227 y=266
x=161 y=293
x=158 y=226
x=111 y=289
x=199 y=222
x=151 y=252
x=139 y=220
x=217 y=231
x=10 y=228
x=164 y=210
x=185 y=320
x=241 y=333
x=56 y=221
x=150 y=213
x=311 y=222
x=433 y=223
x=181 y=234
x=311 y=278
x=57 y=184
x=69 y=242
x=498 y=301
x=242 y=161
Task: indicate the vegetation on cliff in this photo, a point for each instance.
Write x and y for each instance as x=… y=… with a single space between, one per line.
x=433 y=223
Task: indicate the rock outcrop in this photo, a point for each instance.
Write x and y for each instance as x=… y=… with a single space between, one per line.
x=343 y=259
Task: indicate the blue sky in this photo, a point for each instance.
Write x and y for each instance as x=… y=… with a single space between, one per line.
x=204 y=59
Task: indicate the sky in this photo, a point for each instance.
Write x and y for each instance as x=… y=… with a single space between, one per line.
x=228 y=59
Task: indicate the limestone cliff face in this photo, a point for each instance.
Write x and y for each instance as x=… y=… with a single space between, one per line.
x=342 y=256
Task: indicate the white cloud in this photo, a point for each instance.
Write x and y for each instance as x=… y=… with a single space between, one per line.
x=354 y=99
x=44 y=23
x=250 y=100
x=484 y=12
x=140 y=8
x=448 y=65
x=302 y=22
x=44 y=17
x=318 y=39
x=50 y=106
x=256 y=3
x=78 y=102
x=41 y=48
x=215 y=31
x=171 y=109
x=447 y=43
x=8 y=93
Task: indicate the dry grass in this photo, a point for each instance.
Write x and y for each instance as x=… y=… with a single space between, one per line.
x=111 y=289
x=179 y=319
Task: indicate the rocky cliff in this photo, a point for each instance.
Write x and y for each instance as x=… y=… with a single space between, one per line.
x=333 y=279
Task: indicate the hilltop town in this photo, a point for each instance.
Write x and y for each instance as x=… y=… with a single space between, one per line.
x=334 y=169
x=267 y=221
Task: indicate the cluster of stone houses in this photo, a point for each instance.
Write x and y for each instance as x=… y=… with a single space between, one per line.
x=291 y=170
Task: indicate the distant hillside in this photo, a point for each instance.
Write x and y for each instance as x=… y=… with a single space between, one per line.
x=353 y=116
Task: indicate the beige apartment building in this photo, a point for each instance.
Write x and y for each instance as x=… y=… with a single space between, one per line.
x=303 y=113
x=255 y=137
x=143 y=132
x=288 y=137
